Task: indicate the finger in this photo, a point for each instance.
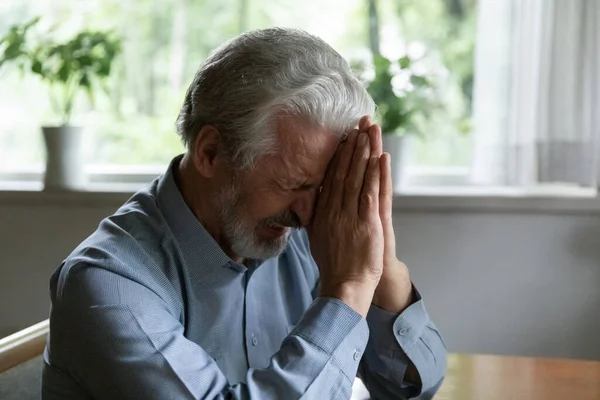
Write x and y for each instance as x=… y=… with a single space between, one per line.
x=369 y=198
x=356 y=174
x=336 y=185
x=364 y=123
x=326 y=184
x=376 y=140
x=386 y=191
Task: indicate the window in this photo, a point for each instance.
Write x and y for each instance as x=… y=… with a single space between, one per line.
x=164 y=42
x=537 y=93
x=131 y=128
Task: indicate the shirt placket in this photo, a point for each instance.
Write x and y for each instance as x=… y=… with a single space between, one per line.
x=254 y=345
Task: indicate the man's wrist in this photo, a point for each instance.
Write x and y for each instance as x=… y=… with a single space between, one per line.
x=394 y=292
x=357 y=295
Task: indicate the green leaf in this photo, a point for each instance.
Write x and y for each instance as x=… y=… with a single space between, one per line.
x=381 y=63
x=85 y=81
x=31 y=23
x=63 y=73
x=104 y=67
x=84 y=60
x=13 y=51
x=419 y=81
x=405 y=62
x=36 y=67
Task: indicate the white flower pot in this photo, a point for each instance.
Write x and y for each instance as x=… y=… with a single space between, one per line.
x=396 y=146
x=64 y=161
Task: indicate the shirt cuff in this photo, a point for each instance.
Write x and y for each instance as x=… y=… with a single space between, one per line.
x=392 y=330
x=396 y=340
x=335 y=328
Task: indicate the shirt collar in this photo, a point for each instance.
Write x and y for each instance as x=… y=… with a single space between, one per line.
x=198 y=247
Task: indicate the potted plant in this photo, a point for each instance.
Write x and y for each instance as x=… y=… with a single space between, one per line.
x=79 y=64
x=403 y=97
x=403 y=100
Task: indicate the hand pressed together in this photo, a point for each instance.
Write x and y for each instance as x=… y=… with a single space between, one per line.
x=346 y=233
x=352 y=236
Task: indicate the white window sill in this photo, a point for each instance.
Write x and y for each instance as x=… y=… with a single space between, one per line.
x=502 y=199
x=415 y=199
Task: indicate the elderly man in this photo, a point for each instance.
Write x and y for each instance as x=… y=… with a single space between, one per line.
x=205 y=284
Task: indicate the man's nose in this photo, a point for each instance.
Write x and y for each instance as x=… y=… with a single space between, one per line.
x=304 y=205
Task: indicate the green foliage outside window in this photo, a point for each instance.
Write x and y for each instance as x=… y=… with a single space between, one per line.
x=80 y=63
x=164 y=42
x=399 y=110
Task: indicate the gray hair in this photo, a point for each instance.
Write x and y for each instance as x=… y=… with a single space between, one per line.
x=249 y=80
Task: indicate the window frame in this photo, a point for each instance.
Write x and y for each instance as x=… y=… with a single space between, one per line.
x=420 y=181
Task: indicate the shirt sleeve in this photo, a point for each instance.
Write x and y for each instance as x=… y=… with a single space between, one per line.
x=397 y=340
x=120 y=340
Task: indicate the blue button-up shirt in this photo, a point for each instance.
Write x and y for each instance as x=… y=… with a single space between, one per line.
x=150 y=307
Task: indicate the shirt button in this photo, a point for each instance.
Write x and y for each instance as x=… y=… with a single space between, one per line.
x=356 y=355
x=403 y=331
x=254 y=341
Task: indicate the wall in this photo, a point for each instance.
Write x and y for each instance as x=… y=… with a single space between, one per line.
x=508 y=283
x=35 y=236
x=506 y=280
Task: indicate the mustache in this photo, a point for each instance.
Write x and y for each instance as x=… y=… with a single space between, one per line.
x=285 y=218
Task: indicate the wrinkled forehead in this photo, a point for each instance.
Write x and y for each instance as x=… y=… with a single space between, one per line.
x=303 y=149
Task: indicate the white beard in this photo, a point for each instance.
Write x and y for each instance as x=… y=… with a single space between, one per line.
x=241 y=234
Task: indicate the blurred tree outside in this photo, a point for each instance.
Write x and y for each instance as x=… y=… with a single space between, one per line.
x=164 y=42
x=446 y=29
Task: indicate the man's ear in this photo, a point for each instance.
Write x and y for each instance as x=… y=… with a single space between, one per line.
x=206 y=150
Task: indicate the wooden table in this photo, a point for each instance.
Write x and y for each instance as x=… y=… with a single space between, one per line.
x=483 y=377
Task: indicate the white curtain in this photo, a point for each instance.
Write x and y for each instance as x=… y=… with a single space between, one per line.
x=537 y=92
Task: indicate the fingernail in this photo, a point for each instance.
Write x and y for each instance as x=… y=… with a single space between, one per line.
x=388 y=158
